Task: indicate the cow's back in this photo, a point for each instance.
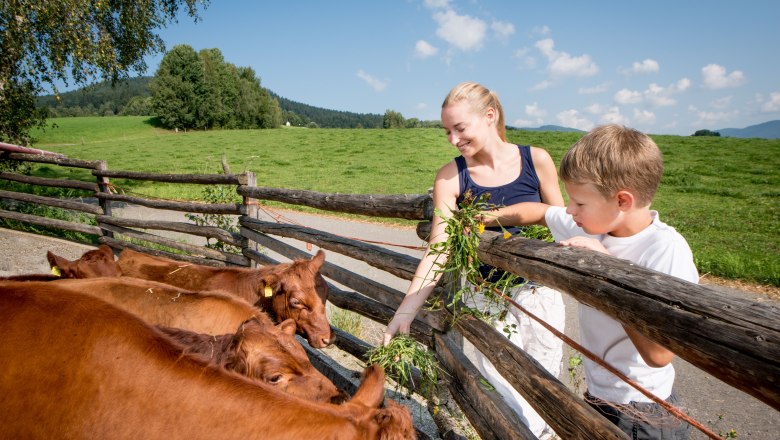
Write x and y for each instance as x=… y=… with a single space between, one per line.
x=162 y=304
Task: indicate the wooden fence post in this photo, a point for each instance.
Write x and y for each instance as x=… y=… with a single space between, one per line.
x=249 y=209
x=105 y=204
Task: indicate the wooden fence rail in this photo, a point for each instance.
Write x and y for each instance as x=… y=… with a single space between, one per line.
x=735 y=340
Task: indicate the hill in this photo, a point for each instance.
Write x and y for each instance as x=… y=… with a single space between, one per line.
x=766 y=130
x=550 y=128
x=103 y=100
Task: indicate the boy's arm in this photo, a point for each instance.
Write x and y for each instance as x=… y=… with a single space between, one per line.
x=520 y=214
x=654 y=354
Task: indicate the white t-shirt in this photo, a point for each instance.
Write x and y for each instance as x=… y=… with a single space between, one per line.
x=658 y=247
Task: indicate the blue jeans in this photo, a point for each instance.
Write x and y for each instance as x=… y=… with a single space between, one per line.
x=643 y=420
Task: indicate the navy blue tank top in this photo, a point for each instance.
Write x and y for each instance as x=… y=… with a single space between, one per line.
x=523 y=189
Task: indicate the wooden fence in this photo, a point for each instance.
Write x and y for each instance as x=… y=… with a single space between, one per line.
x=735 y=340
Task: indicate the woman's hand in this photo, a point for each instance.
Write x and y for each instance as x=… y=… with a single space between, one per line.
x=401 y=323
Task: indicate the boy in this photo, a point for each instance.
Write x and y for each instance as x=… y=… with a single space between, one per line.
x=611 y=176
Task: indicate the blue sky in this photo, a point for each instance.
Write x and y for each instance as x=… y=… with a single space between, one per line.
x=663 y=67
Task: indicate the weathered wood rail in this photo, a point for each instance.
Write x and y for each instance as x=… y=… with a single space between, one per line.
x=735 y=340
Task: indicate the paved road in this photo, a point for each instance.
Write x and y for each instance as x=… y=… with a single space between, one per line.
x=713 y=403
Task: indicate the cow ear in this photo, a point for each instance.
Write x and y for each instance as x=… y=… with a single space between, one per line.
x=288 y=326
x=106 y=249
x=267 y=286
x=371 y=392
x=54 y=260
x=317 y=260
x=62 y=265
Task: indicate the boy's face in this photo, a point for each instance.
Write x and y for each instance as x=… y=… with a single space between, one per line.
x=591 y=210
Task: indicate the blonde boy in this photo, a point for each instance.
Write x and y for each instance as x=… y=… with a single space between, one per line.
x=611 y=176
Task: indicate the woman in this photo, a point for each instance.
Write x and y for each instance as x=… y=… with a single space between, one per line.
x=473 y=119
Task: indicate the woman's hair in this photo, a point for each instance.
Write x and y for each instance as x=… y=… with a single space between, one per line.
x=479 y=100
x=615 y=158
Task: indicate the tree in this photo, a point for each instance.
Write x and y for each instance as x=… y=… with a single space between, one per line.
x=174 y=88
x=44 y=43
x=393 y=119
x=706 y=133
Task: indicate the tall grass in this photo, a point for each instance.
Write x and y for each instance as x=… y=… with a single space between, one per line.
x=722 y=194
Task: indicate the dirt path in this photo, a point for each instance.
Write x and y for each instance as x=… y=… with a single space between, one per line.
x=716 y=405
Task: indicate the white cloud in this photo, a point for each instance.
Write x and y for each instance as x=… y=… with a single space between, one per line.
x=541 y=30
x=376 y=84
x=541 y=86
x=437 y=4
x=722 y=103
x=644 y=117
x=773 y=105
x=421 y=106
x=599 y=88
x=625 y=96
x=423 y=49
x=662 y=96
x=715 y=77
x=503 y=29
x=709 y=119
x=595 y=109
x=572 y=118
x=613 y=116
x=641 y=67
x=522 y=123
x=462 y=31
x=533 y=110
x=526 y=61
x=563 y=64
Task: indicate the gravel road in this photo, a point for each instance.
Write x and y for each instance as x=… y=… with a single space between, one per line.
x=716 y=405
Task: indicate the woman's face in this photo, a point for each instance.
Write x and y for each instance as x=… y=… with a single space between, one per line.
x=466 y=130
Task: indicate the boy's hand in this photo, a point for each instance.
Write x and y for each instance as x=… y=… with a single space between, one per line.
x=587 y=243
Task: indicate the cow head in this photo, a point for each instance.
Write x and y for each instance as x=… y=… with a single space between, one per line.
x=95 y=263
x=271 y=354
x=394 y=421
x=298 y=291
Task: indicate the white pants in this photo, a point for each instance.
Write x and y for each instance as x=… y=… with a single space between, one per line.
x=530 y=336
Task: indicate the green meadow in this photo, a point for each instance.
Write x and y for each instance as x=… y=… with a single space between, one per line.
x=722 y=194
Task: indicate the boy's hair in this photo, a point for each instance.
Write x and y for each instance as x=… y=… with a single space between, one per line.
x=614 y=158
x=479 y=99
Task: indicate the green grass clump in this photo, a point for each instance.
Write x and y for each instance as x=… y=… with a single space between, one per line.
x=398 y=358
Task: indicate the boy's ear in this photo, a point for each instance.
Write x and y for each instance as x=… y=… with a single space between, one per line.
x=625 y=200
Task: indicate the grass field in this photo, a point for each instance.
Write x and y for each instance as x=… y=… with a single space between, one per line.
x=722 y=194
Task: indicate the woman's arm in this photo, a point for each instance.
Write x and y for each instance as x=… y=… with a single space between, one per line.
x=549 y=188
x=445 y=192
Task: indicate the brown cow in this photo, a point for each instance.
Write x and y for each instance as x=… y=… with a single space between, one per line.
x=266 y=352
x=257 y=348
x=95 y=263
x=77 y=367
x=293 y=290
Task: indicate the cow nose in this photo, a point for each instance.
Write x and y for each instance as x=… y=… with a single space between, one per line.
x=329 y=341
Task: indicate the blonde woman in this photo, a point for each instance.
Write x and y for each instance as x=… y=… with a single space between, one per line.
x=473 y=120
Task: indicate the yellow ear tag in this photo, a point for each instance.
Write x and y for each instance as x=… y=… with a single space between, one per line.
x=268 y=292
x=56 y=271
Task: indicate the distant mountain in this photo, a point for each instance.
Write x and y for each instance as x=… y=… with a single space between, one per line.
x=767 y=130
x=551 y=128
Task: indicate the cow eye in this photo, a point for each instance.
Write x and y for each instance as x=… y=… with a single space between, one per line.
x=275 y=379
x=294 y=302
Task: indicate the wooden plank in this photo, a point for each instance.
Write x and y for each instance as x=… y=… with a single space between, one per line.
x=734 y=339
x=186 y=228
x=485 y=408
x=121 y=244
x=205 y=179
x=52 y=201
x=202 y=208
x=56 y=160
x=400 y=265
x=194 y=250
x=407 y=206
x=50 y=222
x=44 y=181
